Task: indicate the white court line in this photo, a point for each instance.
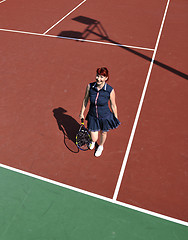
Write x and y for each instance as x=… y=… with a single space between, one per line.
x=139 y=109
x=114 y=200
x=65 y=16
x=76 y=39
x=95 y=195
x=2 y=1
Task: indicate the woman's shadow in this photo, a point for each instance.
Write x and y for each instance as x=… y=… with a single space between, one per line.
x=69 y=126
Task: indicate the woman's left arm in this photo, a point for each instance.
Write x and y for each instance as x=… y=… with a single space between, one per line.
x=113 y=103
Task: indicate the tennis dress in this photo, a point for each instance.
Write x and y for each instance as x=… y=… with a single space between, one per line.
x=99 y=116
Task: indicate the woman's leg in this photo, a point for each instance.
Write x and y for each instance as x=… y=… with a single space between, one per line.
x=94 y=136
x=103 y=138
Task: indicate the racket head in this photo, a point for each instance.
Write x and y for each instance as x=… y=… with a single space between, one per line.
x=83 y=138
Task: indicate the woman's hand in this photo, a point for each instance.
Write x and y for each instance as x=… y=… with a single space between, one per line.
x=81 y=116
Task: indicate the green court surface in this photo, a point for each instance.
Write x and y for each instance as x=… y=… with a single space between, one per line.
x=31 y=209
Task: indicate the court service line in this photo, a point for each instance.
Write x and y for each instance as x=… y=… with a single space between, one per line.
x=65 y=16
x=76 y=39
x=139 y=109
x=94 y=195
x=2 y=1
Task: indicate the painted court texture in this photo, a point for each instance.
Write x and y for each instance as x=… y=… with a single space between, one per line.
x=49 y=53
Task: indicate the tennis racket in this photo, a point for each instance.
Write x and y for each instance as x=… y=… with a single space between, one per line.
x=83 y=138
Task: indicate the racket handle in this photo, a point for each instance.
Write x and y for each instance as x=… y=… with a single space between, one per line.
x=82 y=121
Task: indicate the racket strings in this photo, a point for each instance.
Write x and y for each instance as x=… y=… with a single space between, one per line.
x=83 y=138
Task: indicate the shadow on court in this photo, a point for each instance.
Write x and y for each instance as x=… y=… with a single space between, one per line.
x=68 y=126
x=94 y=27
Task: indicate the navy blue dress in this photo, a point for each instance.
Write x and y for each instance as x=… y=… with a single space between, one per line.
x=99 y=116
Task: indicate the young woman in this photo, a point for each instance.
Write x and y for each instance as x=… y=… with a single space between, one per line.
x=100 y=118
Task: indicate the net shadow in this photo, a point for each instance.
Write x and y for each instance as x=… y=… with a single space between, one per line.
x=94 y=27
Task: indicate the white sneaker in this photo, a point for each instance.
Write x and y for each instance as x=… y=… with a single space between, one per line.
x=99 y=151
x=91 y=145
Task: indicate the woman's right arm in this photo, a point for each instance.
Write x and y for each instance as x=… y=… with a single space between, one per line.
x=85 y=102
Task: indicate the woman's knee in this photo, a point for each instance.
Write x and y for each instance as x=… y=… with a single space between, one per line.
x=94 y=136
x=104 y=134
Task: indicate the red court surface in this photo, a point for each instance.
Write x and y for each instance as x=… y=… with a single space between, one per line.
x=131 y=30
x=35 y=16
x=163 y=123
x=39 y=89
x=41 y=75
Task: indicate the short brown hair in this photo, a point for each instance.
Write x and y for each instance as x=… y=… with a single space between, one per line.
x=103 y=71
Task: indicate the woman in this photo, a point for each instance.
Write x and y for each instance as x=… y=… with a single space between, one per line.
x=100 y=118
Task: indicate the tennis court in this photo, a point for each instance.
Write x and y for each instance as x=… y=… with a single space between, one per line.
x=50 y=51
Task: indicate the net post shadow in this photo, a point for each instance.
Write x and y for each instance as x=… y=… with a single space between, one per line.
x=92 y=25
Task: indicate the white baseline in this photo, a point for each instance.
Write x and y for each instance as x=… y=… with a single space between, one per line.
x=76 y=39
x=94 y=195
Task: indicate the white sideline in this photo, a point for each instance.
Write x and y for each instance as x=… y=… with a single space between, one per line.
x=65 y=16
x=2 y=1
x=94 y=195
x=139 y=109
